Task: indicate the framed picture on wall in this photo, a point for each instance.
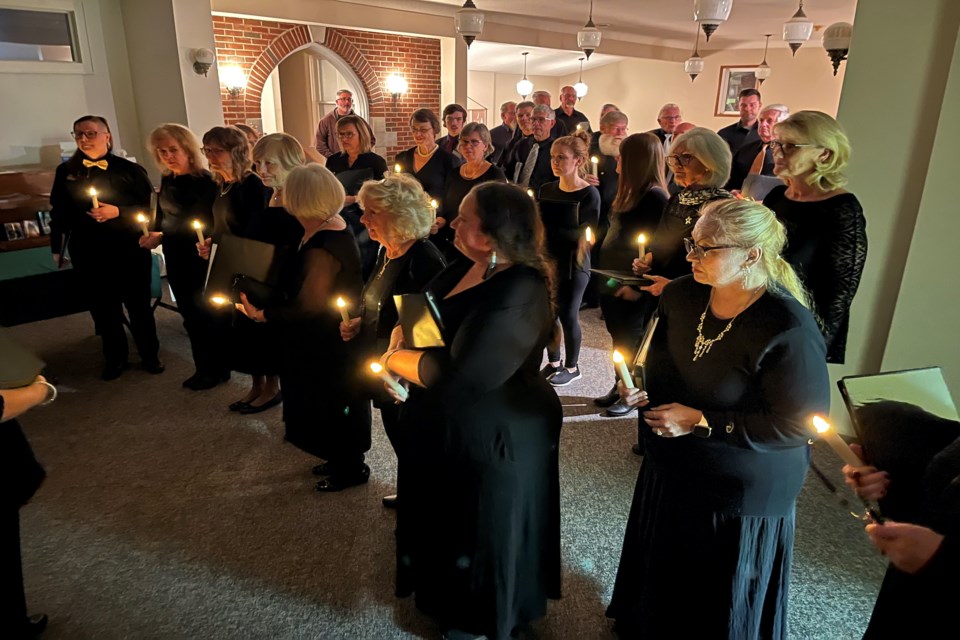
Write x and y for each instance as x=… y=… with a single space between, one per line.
x=733 y=80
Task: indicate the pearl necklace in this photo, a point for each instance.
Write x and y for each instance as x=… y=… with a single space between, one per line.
x=429 y=153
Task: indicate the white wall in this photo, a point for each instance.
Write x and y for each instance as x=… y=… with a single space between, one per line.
x=493 y=89
x=201 y=94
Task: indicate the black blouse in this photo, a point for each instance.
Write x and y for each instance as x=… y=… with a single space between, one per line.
x=434 y=175
x=237 y=205
x=340 y=162
x=182 y=200
x=679 y=218
x=827 y=245
x=563 y=244
x=457 y=189
x=620 y=244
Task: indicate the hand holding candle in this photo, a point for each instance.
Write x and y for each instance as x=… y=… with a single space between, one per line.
x=142 y=220
x=622 y=370
x=831 y=437
x=388 y=379
x=342 y=306
x=198 y=227
x=642 y=242
x=93 y=194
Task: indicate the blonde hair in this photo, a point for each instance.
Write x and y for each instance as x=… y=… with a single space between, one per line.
x=362 y=131
x=312 y=192
x=186 y=140
x=579 y=145
x=405 y=203
x=712 y=152
x=749 y=224
x=820 y=130
x=284 y=149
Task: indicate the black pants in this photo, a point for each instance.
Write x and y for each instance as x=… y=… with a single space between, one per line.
x=569 y=296
x=112 y=282
x=186 y=273
x=13 y=602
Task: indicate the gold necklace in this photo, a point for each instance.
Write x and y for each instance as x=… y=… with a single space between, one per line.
x=701 y=345
x=223 y=191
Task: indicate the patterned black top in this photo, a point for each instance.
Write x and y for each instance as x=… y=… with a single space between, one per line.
x=679 y=218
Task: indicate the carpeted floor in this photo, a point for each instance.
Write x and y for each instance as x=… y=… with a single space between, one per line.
x=166 y=516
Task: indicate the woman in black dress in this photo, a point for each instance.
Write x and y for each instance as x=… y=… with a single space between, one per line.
x=356 y=156
x=103 y=243
x=326 y=412
x=480 y=506
x=826 y=230
x=398 y=215
x=427 y=162
x=570 y=251
x=187 y=192
x=637 y=208
x=733 y=375
x=475 y=146
x=275 y=156
x=237 y=210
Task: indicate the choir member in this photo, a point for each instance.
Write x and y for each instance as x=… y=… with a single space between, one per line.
x=427 y=162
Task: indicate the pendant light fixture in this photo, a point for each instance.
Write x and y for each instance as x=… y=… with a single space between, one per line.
x=711 y=13
x=588 y=38
x=525 y=87
x=694 y=64
x=836 y=40
x=469 y=22
x=581 y=88
x=797 y=29
x=763 y=70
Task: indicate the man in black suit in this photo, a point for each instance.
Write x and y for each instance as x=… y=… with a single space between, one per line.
x=568 y=115
x=756 y=156
x=668 y=119
x=532 y=162
x=745 y=129
x=502 y=135
x=524 y=130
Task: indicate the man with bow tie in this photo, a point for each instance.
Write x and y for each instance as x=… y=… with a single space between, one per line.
x=95 y=202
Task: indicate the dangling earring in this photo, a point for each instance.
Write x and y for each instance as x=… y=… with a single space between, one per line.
x=745 y=271
x=491 y=265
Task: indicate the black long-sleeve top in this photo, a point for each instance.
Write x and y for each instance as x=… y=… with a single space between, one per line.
x=562 y=244
x=183 y=199
x=609 y=180
x=827 y=245
x=620 y=244
x=340 y=162
x=237 y=205
x=457 y=189
x=434 y=174
x=758 y=386
x=679 y=218
x=123 y=184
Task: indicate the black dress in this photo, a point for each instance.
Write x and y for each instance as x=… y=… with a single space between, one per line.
x=457 y=189
x=715 y=516
x=827 y=245
x=679 y=218
x=182 y=200
x=340 y=162
x=114 y=271
x=324 y=408
x=480 y=489
x=434 y=174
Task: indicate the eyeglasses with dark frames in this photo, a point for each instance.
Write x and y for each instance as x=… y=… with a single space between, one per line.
x=786 y=148
x=682 y=160
x=701 y=251
x=89 y=135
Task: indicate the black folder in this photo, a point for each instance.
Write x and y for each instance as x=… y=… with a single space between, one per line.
x=18 y=365
x=242 y=264
x=420 y=320
x=353 y=179
x=627 y=278
x=640 y=361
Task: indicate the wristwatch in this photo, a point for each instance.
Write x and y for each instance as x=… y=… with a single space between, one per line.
x=702 y=429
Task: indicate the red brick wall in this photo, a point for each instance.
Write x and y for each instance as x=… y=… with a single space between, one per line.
x=258 y=46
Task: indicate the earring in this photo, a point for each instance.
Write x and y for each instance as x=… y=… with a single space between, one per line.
x=745 y=273
x=491 y=265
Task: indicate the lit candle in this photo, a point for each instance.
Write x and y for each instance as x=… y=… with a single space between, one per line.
x=198 y=227
x=435 y=205
x=218 y=300
x=388 y=379
x=589 y=235
x=836 y=442
x=579 y=127
x=530 y=192
x=142 y=219
x=642 y=241
x=93 y=194
x=622 y=370
x=397 y=168
x=594 y=161
x=342 y=306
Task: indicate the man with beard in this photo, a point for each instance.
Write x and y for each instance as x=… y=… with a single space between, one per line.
x=606 y=148
x=568 y=115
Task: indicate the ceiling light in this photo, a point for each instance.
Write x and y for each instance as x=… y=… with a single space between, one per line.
x=525 y=87
x=469 y=22
x=797 y=29
x=581 y=88
x=711 y=13
x=694 y=64
x=836 y=40
x=763 y=70
x=588 y=38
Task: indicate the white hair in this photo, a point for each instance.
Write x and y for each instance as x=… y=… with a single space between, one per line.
x=782 y=108
x=549 y=113
x=669 y=105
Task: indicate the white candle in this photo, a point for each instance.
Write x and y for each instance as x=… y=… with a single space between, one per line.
x=642 y=241
x=342 y=306
x=93 y=194
x=594 y=161
x=397 y=168
x=388 y=379
x=198 y=227
x=589 y=235
x=142 y=219
x=833 y=438
x=622 y=370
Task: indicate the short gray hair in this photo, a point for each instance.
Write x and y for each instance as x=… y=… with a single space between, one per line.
x=506 y=105
x=711 y=150
x=669 y=105
x=782 y=108
x=546 y=111
x=525 y=104
x=346 y=91
x=541 y=92
x=613 y=117
x=404 y=203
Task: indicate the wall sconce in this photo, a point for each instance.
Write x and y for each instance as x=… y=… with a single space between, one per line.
x=836 y=40
x=202 y=61
x=396 y=86
x=233 y=79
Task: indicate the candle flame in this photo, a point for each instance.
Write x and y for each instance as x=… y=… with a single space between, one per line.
x=218 y=300
x=617 y=357
x=92 y=191
x=589 y=235
x=642 y=239
x=821 y=425
x=530 y=192
x=594 y=159
x=341 y=303
x=434 y=204
x=579 y=126
x=197 y=224
x=397 y=168
x=375 y=367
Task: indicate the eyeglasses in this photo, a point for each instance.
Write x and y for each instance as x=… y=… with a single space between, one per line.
x=470 y=143
x=684 y=160
x=422 y=131
x=671 y=118
x=212 y=151
x=786 y=148
x=346 y=135
x=615 y=131
x=559 y=159
x=89 y=135
x=701 y=251
x=539 y=119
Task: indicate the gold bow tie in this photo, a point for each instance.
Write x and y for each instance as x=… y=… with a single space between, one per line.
x=99 y=164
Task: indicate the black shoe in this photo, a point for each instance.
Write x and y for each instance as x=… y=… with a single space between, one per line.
x=153 y=366
x=322 y=469
x=611 y=398
x=564 y=377
x=36 y=624
x=619 y=409
x=113 y=371
x=637 y=449
x=343 y=481
x=238 y=405
x=390 y=502
x=272 y=402
x=549 y=370
x=203 y=381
